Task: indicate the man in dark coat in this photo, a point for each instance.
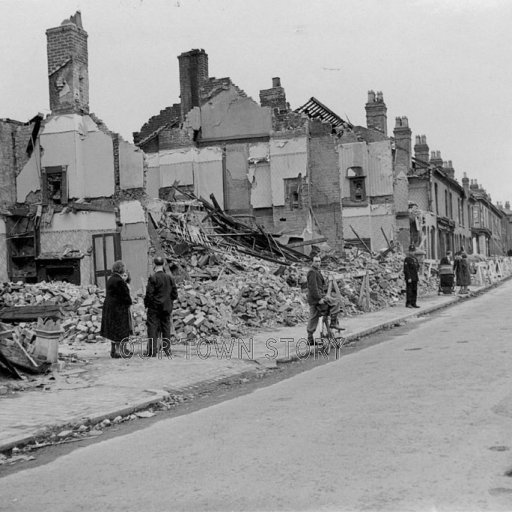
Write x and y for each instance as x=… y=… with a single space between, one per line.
x=115 y=318
x=318 y=302
x=160 y=294
x=411 y=267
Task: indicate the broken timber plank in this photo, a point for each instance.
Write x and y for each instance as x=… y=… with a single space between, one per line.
x=30 y=313
x=307 y=242
x=385 y=237
x=361 y=240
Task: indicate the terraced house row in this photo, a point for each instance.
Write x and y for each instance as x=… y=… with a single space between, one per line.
x=75 y=196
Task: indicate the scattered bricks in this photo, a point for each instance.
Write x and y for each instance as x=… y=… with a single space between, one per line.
x=189 y=319
x=198 y=321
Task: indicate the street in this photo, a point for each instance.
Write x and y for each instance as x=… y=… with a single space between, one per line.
x=419 y=422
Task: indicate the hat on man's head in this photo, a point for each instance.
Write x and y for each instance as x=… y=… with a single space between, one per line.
x=412 y=248
x=158 y=261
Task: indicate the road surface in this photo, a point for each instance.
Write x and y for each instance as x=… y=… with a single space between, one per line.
x=420 y=422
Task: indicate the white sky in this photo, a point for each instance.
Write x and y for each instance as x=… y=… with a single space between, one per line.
x=445 y=64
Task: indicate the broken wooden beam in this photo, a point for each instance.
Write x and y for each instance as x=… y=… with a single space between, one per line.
x=307 y=242
x=30 y=313
x=361 y=240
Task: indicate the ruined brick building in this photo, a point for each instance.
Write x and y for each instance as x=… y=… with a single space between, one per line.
x=293 y=172
x=73 y=195
x=68 y=182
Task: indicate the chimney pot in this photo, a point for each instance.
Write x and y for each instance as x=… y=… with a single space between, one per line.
x=507 y=205
x=276 y=82
x=371 y=96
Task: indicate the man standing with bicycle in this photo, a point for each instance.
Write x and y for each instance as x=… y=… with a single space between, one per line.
x=319 y=303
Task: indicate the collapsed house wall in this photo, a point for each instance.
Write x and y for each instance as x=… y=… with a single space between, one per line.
x=91 y=160
x=258 y=175
x=232 y=115
x=75 y=231
x=288 y=172
x=236 y=184
x=324 y=181
x=77 y=143
x=135 y=243
x=15 y=150
x=131 y=161
x=198 y=168
x=366 y=179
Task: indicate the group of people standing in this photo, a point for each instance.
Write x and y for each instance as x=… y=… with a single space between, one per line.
x=461 y=269
x=117 y=322
x=459 y=265
x=161 y=292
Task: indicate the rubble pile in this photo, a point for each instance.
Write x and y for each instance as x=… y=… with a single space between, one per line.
x=386 y=280
x=242 y=298
x=66 y=295
x=81 y=306
x=222 y=291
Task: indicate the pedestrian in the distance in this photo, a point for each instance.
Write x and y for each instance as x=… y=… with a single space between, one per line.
x=161 y=292
x=463 y=273
x=411 y=267
x=115 y=318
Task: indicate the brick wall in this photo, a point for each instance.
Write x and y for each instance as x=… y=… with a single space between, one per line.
x=290 y=220
x=418 y=194
x=166 y=116
x=289 y=124
x=14 y=139
x=325 y=182
x=175 y=138
x=329 y=218
x=117 y=177
x=265 y=218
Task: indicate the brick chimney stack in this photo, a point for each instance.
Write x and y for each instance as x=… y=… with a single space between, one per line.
x=465 y=183
x=376 y=112
x=193 y=67
x=436 y=159
x=448 y=169
x=68 y=73
x=402 y=134
x=421 y=148
x=275 y=98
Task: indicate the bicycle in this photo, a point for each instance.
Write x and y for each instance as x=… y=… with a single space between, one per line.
x=327 y=336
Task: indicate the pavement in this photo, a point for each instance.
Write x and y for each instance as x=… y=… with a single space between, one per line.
x=96 y=387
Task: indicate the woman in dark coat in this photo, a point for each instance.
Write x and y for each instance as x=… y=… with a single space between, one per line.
x=463 y=273
x=115 y=320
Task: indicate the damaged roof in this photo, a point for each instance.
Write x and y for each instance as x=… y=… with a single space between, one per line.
x=317 y=110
